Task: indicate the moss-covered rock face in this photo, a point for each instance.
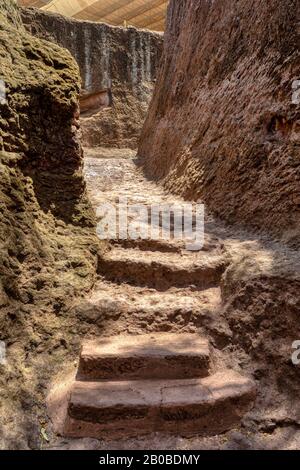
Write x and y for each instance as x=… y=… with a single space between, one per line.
x=48 y=246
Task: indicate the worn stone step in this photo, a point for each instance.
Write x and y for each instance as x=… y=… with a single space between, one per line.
x=183 y=407
x=150 y=356
x=211 y=244
x=134 y=309
x=111 y=298
x=162 y=270
x=149 y=245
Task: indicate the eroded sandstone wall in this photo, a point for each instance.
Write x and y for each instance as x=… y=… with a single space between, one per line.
x=48 y=246
x=121 y=62
x=222 y=125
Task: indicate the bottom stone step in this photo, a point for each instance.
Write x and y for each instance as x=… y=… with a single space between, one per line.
x=183 y=407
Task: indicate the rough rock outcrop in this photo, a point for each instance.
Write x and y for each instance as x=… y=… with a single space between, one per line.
x=118 y=69
x=224 y=124
x=261 y=298
x=47 y=243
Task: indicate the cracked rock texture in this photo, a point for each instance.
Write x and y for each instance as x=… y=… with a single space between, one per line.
x=47 y=244
x=118 y=70
x=222 y=125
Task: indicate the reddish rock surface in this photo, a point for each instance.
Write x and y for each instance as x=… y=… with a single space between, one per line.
x=156 y=356
x=184 y=407
x=118 y=68
x=222 y=125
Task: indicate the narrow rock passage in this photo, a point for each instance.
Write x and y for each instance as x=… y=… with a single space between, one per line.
x=162 y=374
x=158 y=355
x=156 y=285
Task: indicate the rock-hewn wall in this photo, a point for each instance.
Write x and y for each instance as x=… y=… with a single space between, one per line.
x=48 y=245
x=122 y=62
x=222 y=125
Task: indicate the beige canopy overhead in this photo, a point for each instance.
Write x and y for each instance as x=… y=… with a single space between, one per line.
x=148 y=14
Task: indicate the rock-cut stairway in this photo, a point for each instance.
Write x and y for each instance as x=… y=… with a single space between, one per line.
x=133 y=385
x=159 y=372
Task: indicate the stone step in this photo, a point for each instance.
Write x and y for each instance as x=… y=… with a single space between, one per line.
x=211 y=244
x=183 y=407
x=136 y=309
x=150 y=356
x=162 y=270
x=149 y=245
